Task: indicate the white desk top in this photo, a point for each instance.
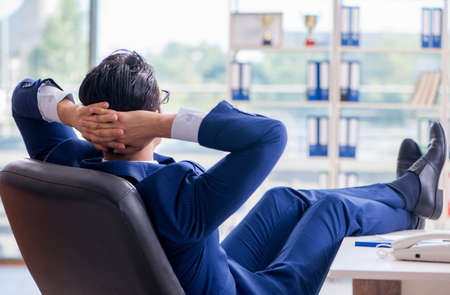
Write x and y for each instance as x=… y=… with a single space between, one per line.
x=363 y=263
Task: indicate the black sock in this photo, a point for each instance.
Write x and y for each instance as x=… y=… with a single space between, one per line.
x=408 y=188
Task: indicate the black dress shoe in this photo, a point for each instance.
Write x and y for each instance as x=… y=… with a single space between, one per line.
x=409 y=153
x=428 y=168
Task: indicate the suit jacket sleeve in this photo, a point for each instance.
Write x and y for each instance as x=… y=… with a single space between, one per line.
x=255 y=144
x=38 y=135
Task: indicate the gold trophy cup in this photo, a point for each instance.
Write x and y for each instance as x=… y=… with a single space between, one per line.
x=267 y=35
x=310 y=23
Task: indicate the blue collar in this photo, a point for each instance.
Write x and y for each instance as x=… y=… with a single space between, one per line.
x=131 y=171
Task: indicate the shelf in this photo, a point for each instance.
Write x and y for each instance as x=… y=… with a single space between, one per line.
x=325 y=104
x=323 y=49
x=387 y=106
x=435 y=51
x=292 y=104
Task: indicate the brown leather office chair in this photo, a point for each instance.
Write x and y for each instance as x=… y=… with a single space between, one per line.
x=83 y=232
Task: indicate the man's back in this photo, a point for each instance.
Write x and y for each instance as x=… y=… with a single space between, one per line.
x=151 y=180
x=185 y=203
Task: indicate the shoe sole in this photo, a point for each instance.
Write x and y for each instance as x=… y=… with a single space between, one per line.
x=439 y=202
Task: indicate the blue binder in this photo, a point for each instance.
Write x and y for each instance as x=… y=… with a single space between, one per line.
x=240 y=81
x=345 y=26
x=436 y=27
x=324 y=80
x=348 y=137
x=318 y=135
x=426 y=27
x=355 y=76
x=354 y=26
x=344 y=82
x=312 y=83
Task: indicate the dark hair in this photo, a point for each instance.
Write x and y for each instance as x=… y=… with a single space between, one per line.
x=123 y=79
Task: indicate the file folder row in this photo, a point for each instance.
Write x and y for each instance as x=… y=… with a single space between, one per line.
x=431 y=27
x=318 y=80
x=318 y=136
x=350 y=32
x=240 y=81
x=350 y=80
x=347 y=179
x=348 y=136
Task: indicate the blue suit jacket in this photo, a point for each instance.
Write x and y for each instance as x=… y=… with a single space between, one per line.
x=186 y=204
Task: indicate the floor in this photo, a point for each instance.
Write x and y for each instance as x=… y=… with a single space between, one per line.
x=15 y=280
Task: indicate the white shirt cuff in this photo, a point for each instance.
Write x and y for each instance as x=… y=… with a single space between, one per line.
x=187 y=124
x=48 y=97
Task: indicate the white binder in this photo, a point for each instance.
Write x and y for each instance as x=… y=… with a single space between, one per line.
x=355 y=75
x=245 y=76
x=324 y=80
x=235 y=76
x=436 y=27
x=311 y=88
x=353 y=132
x=312 y=131
x=323 y=131
x=345 y=25
x=426 y=27
x=240 y=80
x=345 y=80
x=343 y=132
x=354 y=26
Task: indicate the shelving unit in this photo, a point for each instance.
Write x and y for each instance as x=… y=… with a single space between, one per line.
x=334 y=106
x=435 y=51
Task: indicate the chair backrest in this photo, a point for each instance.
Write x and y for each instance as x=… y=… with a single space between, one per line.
x=82 y=231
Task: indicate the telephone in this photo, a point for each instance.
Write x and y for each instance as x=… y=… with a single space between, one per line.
x=434 y=247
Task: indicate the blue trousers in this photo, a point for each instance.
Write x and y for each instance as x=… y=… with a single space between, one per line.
x=287 y=242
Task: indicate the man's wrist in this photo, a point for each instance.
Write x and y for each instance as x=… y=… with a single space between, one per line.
x=165 y=122
x=66 y=111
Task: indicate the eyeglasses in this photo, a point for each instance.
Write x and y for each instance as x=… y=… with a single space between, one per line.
x=166 y=96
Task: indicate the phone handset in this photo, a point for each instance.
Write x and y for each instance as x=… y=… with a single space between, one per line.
x=409 y=249
x=410 y=241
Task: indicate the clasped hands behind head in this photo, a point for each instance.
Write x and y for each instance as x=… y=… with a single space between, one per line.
x=120 y=132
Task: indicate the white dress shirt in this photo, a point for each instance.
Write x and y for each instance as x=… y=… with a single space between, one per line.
x=185 y=126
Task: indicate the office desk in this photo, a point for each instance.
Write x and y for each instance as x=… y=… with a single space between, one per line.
x=386 y=276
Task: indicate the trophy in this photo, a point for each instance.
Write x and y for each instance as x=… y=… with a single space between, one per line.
x=267 y=35
x=310 y=23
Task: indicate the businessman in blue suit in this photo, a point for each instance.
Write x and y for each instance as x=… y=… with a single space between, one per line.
x=287 y=242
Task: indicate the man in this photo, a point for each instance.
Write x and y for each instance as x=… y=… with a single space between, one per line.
x=285 y=245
